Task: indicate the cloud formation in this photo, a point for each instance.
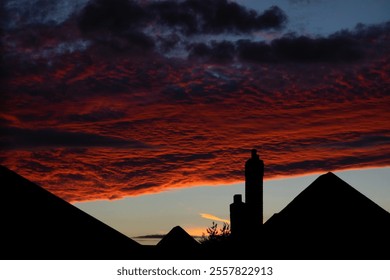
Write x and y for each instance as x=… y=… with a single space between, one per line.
x=213 y=218
x=189 y=17
x=132 y=27
x=16 y=138
x=129 y=27
x=346 y=46
x=112 y=113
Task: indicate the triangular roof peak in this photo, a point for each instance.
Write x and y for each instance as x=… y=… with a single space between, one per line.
x=330 y=197
x=177 y=236
x=55 y=228
x=330 y=175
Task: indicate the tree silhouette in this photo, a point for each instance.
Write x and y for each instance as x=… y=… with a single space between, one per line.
x=216 y=235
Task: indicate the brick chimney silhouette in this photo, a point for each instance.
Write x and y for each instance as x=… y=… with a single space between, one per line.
x=254 y=173
x=247 y=218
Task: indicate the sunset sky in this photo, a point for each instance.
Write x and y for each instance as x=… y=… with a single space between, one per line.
x=143 y=113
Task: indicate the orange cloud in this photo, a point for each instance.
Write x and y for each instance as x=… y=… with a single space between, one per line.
x=213 y=218
x=90 y=129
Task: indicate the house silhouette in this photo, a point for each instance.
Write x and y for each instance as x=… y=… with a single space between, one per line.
x=177 y=244
x=35 y=224
x=177 y=237
x=330 y=220
x=327 y=220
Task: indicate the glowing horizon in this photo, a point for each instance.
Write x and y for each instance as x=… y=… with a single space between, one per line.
x=163 y=211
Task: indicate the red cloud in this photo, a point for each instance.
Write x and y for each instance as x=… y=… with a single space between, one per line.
x=105 y=129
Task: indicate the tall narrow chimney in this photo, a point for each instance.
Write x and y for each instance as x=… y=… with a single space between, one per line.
x=246 y=219
x=254 y=173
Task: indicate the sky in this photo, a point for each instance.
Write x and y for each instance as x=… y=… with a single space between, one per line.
x=200 y=206
x=117 y=104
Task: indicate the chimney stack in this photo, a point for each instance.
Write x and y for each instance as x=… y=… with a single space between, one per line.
x=247 y=218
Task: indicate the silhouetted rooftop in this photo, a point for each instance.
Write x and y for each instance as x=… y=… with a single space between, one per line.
x=331 y=219
x=179 y=238
x=328 y=220
x=40 y=225
x=330 y=198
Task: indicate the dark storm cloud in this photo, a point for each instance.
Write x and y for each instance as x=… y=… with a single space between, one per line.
x=189 y=17
x=217 y=52
x=255 y=51
x=129 y=42
x=122 y=24
x=340 y=47
x=112 y=15
x=22 y=13
x=126 y=27
x=214 y=17
x=17 y=138
x=116 y=24
x=133 y=27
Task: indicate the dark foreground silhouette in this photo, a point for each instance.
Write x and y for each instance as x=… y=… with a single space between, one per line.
x=35 y=224
x=328 y=220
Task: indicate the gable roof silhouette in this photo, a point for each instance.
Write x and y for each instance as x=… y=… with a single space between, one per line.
x=178 y=238
x=331 y=198
x=36 y=224
x=330 y=218
x=177 y=244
